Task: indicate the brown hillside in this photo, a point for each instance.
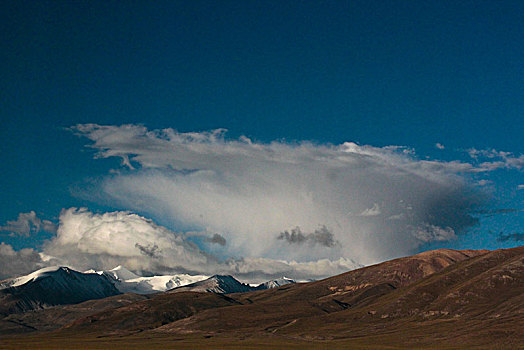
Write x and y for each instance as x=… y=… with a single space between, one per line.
x=270 y=309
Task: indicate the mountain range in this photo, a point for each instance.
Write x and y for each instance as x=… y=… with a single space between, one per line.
x=438 y=299
x=128 y=282
x=61 y=285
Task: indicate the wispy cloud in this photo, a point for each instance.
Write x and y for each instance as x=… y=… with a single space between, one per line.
x=430 y=233
x=516 y=237
x=494 y=212
x=28 y=223
x=491 y=159
x=484 y=182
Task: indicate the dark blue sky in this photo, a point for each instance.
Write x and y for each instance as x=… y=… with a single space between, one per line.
x=410 y=73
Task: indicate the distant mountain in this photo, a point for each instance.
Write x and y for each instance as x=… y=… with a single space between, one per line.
x=62 y=285
x=228 y=284
x=275 y=283
x=128 y=282
x=52 y=286
x=216 y=284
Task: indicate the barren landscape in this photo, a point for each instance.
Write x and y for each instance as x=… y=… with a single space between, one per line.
x=444 y=298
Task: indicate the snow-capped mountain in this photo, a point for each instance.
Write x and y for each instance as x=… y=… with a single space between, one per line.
x=216 y=284
x=53 y=286
x=61 y=285
x=228 y=284
x=128 y=282
x=120 y=273
x=275 y=283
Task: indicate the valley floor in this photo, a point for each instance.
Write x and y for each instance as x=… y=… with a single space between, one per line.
x=216 y=343
x=148 y=340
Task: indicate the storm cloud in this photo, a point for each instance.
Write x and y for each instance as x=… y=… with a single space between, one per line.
x=379 y=202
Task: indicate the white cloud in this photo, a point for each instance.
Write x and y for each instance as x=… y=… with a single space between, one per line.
x=430 y=233
x=439 y=146
x=494 y=160
x=102 y=241
x=250 y=192
x=28 y=223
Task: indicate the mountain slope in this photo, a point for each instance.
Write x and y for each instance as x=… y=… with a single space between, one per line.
x=273 y=308
x=58 y=316
x=477 y=301
x=53 y=286
x=160 y=309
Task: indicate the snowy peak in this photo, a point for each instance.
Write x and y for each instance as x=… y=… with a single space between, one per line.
x=129 y=282
x=155 y=284
x=61 y=285
x=224 y=284
x=38 y=274
x=221 y=284
x=121 y=273
x=227 y=284
x=53 y=286
x=275 y=283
